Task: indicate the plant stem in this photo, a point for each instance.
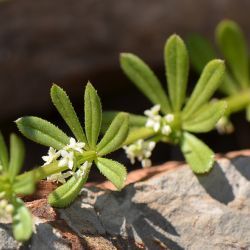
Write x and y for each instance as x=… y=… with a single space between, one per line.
x=43 y=172
x=139 y=133
x=237 y=102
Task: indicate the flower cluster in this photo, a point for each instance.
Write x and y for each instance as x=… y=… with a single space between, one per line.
x=224 y=126
x=65 y=157
x=61 y=177
x=140 y=150
x=5 y=207
x=157 y=122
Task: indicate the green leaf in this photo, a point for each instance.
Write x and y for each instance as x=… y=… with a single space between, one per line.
x=64 y=195
x=144 y=79
x=200 y=51
x=139 y=133
x=115 y=135
x=206 y=117
x=17 y=153
x=228 y=85
x=24 y=185
x=134 y=120
x=113 y=171
x=197 y=154
x=62 y=103
x=4 y=158
x=209 y=81
x=176 y=65
x=22 y=221
x=233 y=45
x=42 y=132
x=93 y=115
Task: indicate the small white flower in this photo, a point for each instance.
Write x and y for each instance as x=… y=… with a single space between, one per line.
x=52 y=155
x=153 y=111
x=77 y=146
x=67 y=159
x=59 y=177
x=169 y=118
x=3 y=203
x=224 y=126
x=151 y=145
x=9 y=208
x=83 y=168
x=2 y=194
x=6 y=208
x=166 y=130
x=146 y=163
x=140 y=150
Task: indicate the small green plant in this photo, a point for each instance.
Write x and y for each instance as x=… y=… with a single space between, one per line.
x=68 y=161
x=236 y=84
x=174 y=118
x=11 y=186
x=68 y=157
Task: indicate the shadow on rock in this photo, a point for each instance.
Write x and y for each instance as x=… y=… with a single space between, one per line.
x=131 y=221
x=217 y=185
x=242 y=165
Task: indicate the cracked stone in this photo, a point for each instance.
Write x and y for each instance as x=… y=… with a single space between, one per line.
x=174 y=209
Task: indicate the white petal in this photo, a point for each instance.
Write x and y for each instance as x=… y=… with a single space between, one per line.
x=146 y=163
x=156 y=127
x=62 y=162
x=151 y=145
x=166 y=130
x=70 y=164
x=169 y=118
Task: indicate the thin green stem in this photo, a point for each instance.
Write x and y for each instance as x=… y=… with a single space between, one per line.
x=139 y=133
x=237 y=102
x=43 y=172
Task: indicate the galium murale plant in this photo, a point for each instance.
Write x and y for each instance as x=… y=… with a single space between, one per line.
x=236 y=84
x=174 y=117
x=11 y=187
x=71 y=158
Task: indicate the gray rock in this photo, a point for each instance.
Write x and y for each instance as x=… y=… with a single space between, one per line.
x=172 y=210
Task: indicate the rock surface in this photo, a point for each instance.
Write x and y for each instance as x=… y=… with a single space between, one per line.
x=174 y=209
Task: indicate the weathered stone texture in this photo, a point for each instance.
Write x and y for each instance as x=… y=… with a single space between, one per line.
x=171 y=210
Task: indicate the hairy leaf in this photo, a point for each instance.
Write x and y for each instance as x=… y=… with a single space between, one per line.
x=22 y=221
x=24 y=185
x=209 y=81
x=113 y=171
x=200 y=51
x=17 y=153
x=115 y=135
x=206 y=117
x=197 y=154
x=93 y=115
x=4 y=158
x=42 y=131
x=233 y=45
x=144 y=79
x=177 y=65
x=134 y=120
x=62 y=103
x=64 y=195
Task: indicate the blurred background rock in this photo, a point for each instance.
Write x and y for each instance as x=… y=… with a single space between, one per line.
x=70 y=42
